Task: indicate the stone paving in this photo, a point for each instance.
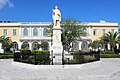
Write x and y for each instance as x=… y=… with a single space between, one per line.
x=105 y=69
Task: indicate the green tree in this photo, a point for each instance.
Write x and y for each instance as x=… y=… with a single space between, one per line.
x=95 y=44
x=44 y=45
x=72 y=31
x=25 y=45
x=6 y=43
x=104 y=42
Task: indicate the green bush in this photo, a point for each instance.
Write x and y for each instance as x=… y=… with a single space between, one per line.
x=88 y=58
x=73 y=61
x=78 y=59
x=39 y=52
x=84 y=57
x=24 y=52
x=6 y=56
x=79 y=52
x=110 y=55
x=109 y=52
x=42 y=57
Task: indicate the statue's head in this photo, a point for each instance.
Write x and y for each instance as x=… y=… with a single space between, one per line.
x=56 y=7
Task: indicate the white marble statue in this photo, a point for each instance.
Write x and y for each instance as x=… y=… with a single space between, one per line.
x=56 y=16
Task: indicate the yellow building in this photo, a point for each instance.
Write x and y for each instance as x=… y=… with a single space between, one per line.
x=31 y=32
x=97 y=30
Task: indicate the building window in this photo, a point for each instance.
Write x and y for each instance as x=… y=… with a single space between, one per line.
x=5 y=32
x=44 y=31
x=112 y=31
x=15 y=45
x=103 y=31
x=35 y=32
x=25 y=32
x=85 y=30
x=14 y=32
x=94 y=31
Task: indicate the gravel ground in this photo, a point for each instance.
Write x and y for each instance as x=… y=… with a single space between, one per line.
x=105 y=69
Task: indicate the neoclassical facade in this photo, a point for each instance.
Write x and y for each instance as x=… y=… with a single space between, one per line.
x=35 y=32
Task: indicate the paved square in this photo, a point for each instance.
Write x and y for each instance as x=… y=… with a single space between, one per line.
x=106 y=69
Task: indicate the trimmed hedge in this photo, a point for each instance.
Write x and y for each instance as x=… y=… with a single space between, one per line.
x=79 y=52
x=42 y=57
x=6 y=56
x=110 y=55
x=109 y=52
x=33 y=57
x=80 y=57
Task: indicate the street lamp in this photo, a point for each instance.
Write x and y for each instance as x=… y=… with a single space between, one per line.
x=51 y=51
x=35 y=52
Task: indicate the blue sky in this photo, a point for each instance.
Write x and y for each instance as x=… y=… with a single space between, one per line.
x=41 y=10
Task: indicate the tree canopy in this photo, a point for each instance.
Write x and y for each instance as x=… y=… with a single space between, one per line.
x=72 y=31
x=6 y=43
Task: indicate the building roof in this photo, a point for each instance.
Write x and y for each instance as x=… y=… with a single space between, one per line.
x=101 y=23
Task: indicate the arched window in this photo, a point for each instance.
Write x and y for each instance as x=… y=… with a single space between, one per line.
x=35 y=32
x=35 y=46
x=84 y=45
x=25 y=45
x=15 y=45
x=25 y=32
x=45 y=45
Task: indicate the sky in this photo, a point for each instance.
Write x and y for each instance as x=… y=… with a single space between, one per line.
x=41 y=10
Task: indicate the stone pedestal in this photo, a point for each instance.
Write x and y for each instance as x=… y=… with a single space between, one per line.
x=57 y=46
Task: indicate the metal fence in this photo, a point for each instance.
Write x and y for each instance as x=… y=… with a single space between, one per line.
x=81 y=58
x=73 y=58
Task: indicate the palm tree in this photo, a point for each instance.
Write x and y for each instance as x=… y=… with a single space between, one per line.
x=112 y=39
x=95 y=44
x=103 y=42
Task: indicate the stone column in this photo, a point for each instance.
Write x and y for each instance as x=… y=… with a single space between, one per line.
x=80 y=45
x=40 y=47
x=1 y=50
x=20 y=44
x=30 y=31
x=117 y=46
x=30 y=45
x=108 y=46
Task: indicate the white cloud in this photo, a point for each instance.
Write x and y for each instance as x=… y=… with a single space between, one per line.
x=5 y=2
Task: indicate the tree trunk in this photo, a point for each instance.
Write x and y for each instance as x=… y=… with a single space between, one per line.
x=113 y=48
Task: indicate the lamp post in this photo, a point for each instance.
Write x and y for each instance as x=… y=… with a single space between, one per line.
x=14 y=54
x=35 y=54
x=51 y=51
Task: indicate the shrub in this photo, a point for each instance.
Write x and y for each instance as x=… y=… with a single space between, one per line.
x=84 y=57
x=88 y=58
x=42 y=57
x=25 y=53
x=6 y=56
x=108 y=52
x=73 y=61
x=109 y=55
x=79 y=52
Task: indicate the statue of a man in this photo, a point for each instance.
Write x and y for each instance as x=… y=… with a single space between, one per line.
x=56 y=16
